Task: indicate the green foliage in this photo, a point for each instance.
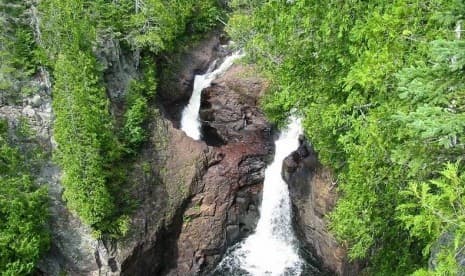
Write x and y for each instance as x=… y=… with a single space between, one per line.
x=437 y=208
x=433 y=125
x=134 y=118
x=18 y=59
x=157 y=24
x=66 y=25
x=137 y=99
x=24 y=129
x=23 y=211
x=380 y=86
x=89 y=150
x=205 y=16
x=86 y=143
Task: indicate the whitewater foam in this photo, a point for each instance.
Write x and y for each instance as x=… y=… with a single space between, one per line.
x=190 y=122
x=272 y=249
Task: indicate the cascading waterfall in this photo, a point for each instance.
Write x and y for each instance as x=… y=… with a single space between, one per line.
x=272 y=249
x=190 y=122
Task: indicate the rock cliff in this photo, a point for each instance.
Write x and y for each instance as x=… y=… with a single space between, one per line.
x=179 y=70
x=313 y=195
x=194 y=198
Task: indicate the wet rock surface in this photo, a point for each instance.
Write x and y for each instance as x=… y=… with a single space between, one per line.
x=313 y=195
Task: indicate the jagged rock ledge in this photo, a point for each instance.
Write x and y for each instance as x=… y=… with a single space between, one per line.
x=178 y=73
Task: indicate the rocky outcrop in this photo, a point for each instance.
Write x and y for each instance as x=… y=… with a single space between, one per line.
x=162 y=179
x=119 y=67
x=313 y=195
x=205 y=198
x=224 y=208
x=170 y=172
x=229 y=108
x=72 y=242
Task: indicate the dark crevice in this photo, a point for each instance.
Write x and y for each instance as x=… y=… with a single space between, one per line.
x=211 y=137
x=161 y=257
x=113 y=265
x=170 y=257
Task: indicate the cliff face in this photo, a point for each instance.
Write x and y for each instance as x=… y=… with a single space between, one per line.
x=313 y=195
x=208 y=197
x=178 y=73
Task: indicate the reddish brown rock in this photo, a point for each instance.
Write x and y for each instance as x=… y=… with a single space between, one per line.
x=313 y=195
x=191 y=200
x=233 y=117
x=225 y=209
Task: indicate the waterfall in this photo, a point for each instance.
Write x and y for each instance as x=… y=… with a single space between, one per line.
x=190 y=122
x=272 y=249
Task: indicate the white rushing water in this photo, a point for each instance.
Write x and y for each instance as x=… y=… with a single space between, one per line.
x=271 y=250
x=190 y=122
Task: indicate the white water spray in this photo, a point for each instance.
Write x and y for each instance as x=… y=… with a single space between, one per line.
x=190 y=122
x=271 y=250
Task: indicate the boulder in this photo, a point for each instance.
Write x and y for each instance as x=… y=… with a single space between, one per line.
x=229 y=108
x=35 y=101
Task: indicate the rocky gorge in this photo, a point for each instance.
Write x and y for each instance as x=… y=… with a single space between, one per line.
x=232 y=137
x=194 y=198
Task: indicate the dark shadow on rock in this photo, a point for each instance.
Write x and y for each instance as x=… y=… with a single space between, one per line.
x=211 y=137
